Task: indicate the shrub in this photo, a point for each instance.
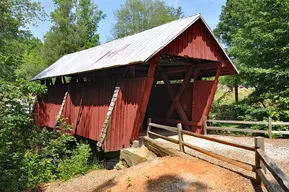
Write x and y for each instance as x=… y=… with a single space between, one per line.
x=77 y=163
x=30 y=155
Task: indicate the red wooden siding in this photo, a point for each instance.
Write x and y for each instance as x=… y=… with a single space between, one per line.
x=96 y=97
x=196 y=42
x=201 y=94
x=48 y=107
x=122 y=128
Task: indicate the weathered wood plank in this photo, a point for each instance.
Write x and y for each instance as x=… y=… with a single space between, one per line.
x=161 y=150
x=164 y=137
x=278 y=174
x=246 y=147
x=265 y=181
x=236 y=129
x=280 y=123
x=106 y=123
x=149 y=126
x=157 y=148
x=240 y=164
x=181 y=138
x=281 y=132
x=259 y=143
x=239 y=122
x=165 y=127
x=270 y=127
x=61 y=109
x=176 y=121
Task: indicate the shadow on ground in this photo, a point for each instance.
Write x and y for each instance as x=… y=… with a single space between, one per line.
x=175 y=183
x=105 y=186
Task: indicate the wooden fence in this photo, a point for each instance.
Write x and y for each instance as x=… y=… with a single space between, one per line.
x=262 y=161
x=269 y=124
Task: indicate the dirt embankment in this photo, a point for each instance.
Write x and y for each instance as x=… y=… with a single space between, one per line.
x=160 y=174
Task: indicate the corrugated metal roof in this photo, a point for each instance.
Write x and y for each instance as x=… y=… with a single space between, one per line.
x=136 y=48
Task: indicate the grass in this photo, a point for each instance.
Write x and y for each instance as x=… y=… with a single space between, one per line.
x=226 y=96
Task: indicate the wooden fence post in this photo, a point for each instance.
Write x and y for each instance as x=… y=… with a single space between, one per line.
x=259 y=144
x=181 y=139
x=205 y=125
x=148 y=126
x=270 y=128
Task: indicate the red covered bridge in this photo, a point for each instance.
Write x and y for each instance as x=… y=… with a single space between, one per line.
x=107 y=91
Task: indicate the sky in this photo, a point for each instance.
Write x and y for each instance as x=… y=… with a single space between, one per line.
x=209 y=9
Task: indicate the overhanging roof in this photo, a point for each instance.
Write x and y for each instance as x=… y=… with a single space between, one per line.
x=138 y=48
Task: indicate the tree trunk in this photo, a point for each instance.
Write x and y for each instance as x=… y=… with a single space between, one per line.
x=236 y=93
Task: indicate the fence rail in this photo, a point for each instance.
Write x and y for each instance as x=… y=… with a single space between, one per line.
x=269 y=124
x=262 y=161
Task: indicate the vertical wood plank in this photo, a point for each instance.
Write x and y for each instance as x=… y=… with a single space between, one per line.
x=213 y=91
x=259 y=144
x=181 y=139
x=270 y=128
x=146 y=95
x=205 y=125
x=148 y=126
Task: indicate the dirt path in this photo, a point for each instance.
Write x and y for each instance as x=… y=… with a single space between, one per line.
x=277 y=149
x=160 y=174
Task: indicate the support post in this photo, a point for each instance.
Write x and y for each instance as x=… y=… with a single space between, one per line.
x=140 y=114
x=61 y=110
x=181 y=139
x=270 y=128
x=148 y=126
x=205 y=125
x=259 y=144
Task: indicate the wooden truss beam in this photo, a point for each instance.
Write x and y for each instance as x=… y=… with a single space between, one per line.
x=181 y=90
x=204 y=66
x=146 y=95
x=178 y=106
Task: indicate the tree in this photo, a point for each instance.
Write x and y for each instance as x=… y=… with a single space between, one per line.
x=257 y=33
x=88 y=18
x=139 y=15
x=15 y=15
x=74 y=28
x=32 y=60
x=30 y=155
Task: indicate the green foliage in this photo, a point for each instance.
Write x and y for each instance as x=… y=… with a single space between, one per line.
x=15 y=15
x=32 y=60
x=76 y=163
x=88 y=16
x=75 y=24
x=139 y=15
x=30 y=155
x=256 y=38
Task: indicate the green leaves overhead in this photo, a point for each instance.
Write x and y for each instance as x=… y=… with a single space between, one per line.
x=256 y=34
x=139 y=15
x=75 y=25
x=15 y=16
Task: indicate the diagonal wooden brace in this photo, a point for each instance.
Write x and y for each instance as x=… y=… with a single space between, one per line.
x=178 y=106
x=181 y=90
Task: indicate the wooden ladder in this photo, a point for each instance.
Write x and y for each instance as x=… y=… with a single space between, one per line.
x=107 y=120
